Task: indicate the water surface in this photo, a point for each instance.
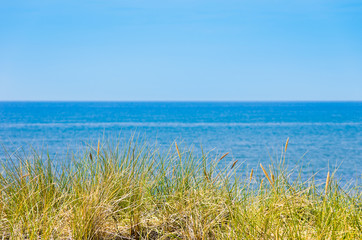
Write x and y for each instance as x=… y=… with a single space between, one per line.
x=327 y=134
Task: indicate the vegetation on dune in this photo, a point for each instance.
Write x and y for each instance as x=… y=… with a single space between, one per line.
x=136 y=192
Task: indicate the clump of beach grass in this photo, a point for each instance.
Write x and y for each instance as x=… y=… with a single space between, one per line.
x=134 y=191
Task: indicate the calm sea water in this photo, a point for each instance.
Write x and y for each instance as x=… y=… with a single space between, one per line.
x=322 y=135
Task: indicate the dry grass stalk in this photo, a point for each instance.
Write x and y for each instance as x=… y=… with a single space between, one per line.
x=327 y=183
x=261 y=183
x=234 y=164
x=207 y=178
x=223 y=156
x=178 y=151
x=286 y=145
x=251 y=174
x=98 y=148
x=24 y=176
x=267 y=176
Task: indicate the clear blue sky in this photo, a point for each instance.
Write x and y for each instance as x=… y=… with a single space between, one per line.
x=180 y=50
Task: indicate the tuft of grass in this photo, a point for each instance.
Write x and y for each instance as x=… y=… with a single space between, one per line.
x=133 y=191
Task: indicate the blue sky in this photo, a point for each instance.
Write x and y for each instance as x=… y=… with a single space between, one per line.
x=180 y=50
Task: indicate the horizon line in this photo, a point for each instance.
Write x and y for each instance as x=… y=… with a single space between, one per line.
x=176 y=101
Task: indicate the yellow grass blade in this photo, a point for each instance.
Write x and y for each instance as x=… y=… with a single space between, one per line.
x=266 y=174
x=251 y=174
x=286 y=145
x=207 y=178
x=178 y=151
x=98 y=148
x=24 y=176
x=271 y=175
x=327 y=183
x=261 y=183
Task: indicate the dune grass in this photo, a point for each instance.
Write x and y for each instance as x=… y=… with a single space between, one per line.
x=136 y=192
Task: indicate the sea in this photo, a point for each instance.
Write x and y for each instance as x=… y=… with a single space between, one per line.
x=323 y=136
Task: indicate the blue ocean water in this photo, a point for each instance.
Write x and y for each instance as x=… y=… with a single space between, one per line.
x=323 y=135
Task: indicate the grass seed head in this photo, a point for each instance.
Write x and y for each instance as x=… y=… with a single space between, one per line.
x=234 y=164
x=98 y=148
x=178 y=151
x=266 y=175
x=327 y=183
x=223 y=156
x=286 y=145
x=251 y=174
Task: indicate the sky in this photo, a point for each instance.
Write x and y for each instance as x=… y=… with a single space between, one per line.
x=180 y=50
